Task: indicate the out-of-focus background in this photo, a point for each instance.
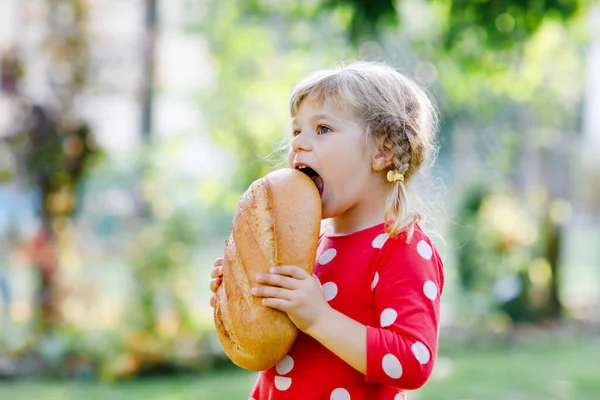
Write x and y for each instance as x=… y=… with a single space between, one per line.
x=130 y=128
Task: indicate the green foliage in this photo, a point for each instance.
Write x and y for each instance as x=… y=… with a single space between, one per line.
x=162 y=252
x=475 y=75
x=160 y=331
x=501 y=24
x=163 y=247
x=501 y=261
x=257 y=62
x=366 y=16
x=57 y=156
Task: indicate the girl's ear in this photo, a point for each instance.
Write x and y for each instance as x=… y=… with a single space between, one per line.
x=383 y=156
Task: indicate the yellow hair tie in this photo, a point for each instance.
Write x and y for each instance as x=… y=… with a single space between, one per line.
x=392 y=176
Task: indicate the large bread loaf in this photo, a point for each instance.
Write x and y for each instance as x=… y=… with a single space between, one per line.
x=276 y=223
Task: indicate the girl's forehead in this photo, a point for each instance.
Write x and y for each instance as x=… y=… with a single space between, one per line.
x=324 y=107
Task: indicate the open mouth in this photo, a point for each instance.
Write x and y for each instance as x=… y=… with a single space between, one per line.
x=312 y=174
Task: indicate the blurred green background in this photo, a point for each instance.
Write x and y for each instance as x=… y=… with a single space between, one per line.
x=130 y=128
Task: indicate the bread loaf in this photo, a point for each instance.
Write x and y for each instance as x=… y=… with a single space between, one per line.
x=277 y=222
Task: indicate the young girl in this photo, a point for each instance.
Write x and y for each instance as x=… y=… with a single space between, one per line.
x=369 y=317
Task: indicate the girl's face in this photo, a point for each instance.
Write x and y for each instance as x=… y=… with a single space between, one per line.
x=330 y=146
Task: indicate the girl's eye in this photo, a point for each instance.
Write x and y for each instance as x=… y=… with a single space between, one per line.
x=321 y=129
x=295 y=133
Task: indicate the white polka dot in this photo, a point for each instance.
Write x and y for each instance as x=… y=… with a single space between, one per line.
x=327 y=256
x=391 y=366
x=399 y=397
x=424 y=250
x=284 y=366
x=283 y=383
x=380 y=240
x=330 y=290
x=340 y=394
x=375 y=280
x=388 y=316
x=421 y=353
x=430 y=290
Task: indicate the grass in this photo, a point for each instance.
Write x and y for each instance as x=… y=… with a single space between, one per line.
x=543 y=370
x=219 y=385
x=566 y=369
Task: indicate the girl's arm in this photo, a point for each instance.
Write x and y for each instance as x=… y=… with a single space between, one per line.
x=402 y=346
x=343 y=336
x=401 y=349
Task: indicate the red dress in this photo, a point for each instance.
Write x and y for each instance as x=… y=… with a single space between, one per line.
x=391 y=287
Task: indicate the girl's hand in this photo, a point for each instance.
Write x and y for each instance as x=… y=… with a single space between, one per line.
x=217 y=275
x=293 y=290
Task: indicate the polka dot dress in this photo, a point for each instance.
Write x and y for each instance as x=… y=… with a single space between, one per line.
x=391 y=287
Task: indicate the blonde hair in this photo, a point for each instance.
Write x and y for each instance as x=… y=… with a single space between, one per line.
x=398 y=117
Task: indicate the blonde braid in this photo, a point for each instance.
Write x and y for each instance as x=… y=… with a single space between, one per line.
x=398 y=213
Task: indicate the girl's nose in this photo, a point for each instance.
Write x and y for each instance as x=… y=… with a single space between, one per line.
x=301 y=142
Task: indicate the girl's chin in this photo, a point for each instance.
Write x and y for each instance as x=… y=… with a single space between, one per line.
x=326 y=212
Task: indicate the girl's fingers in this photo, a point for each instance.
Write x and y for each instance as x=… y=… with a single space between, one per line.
x=218 y=262
x=217 y=272
x=271 y=291
x=279 y=304
x=214 y=284
x=292 y=271
x=277 y=280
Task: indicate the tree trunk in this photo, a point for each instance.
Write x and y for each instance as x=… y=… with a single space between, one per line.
x=552 y=246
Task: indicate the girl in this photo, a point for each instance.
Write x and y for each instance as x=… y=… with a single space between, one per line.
x=369 y=317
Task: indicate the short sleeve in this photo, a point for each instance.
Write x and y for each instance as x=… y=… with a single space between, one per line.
x=407 y=285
